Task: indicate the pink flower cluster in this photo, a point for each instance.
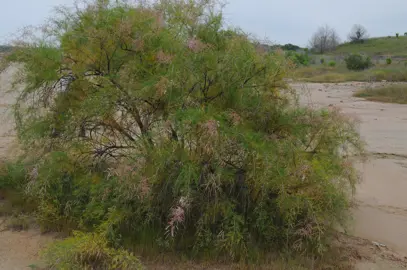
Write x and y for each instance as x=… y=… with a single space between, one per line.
x=163 y=58
x=177 y=216
x=196 y=45
x=211 y=127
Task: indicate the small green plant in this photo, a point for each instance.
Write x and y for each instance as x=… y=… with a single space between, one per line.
x=358 y=62
x=300 y=59
x=322 y=61
x=397 y=35
x=388 y=61
x=88 y=251
x=332 y=63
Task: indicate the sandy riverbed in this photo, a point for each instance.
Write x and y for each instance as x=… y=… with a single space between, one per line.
x=381 y=215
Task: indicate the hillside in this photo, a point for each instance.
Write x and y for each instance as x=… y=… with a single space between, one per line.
x=383 y=46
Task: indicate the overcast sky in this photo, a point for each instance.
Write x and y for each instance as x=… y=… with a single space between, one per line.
x=282 y=21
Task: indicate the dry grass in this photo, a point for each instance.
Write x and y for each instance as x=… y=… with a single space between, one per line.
x=323 y=74
x=395 y=93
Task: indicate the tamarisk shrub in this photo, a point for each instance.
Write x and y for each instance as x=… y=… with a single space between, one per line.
x=154 y=124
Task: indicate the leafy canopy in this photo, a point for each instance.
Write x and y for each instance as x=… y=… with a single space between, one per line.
x=159 y=125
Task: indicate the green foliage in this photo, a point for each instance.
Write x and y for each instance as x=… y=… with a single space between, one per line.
x=332 y=63
x=13 y=180
x=388 y=61
x=299 y=59
x=159 y=128
x=358 y=62
x=380 y=46
x=88 y=251
x=12 y=175
x=405 y=34
x=290 y=47
x=322 y=61
x=397 y=35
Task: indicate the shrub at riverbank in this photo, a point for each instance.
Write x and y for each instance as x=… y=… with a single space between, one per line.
x=151 y=128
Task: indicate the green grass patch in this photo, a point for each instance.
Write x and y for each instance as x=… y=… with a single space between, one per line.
x=388 y=94
x=376 y=46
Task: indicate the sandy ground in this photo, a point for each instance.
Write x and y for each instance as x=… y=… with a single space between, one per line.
x=380 y=218
x=18 y=250
x=381 y=214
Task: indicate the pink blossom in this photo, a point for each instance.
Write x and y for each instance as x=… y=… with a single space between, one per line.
x=163 y=58
x=177 y=216
x=211 y=127
x=196 y=45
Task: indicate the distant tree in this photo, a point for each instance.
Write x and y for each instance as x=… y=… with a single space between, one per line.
x=290 y=47
x=324 y=39
x=397 y=35
x=358 y=34
x=405 y=34
x=5 y=48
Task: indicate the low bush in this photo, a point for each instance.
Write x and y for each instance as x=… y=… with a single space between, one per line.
x=13 y=181
x=163 y=130
x=358 y=62
x=388 y=61
x=88 y=251
x=299 y=59
x=322 y=60
x=332 y=63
